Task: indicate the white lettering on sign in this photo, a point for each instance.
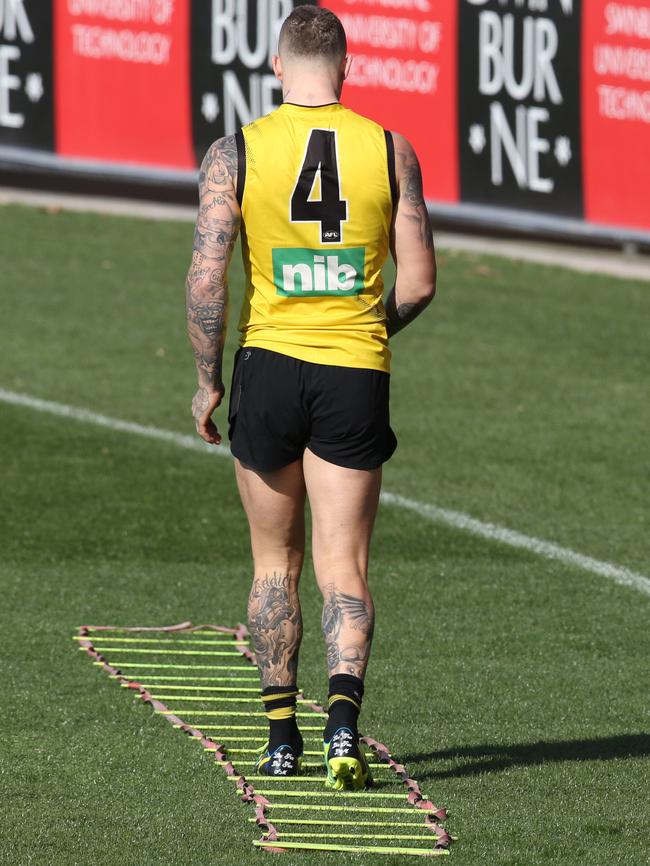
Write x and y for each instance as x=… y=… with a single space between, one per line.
x=531 y=5
x=101 y=43
x=139 y=11
x=497 y=55
x=417 y=5
x=629 y=20
x=14 y=25
x=9 y=82
x=633 y=63
x=240 y=108
x=429 y=36
x=409 y=76
x=14 y=21
x=379 y=31
x=522 y=149
x=130 y=44
x=622 y=103
x=230 y=31
x=517 y=56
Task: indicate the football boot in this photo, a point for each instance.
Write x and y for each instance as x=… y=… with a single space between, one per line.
x=347 y=768
x=282 y=761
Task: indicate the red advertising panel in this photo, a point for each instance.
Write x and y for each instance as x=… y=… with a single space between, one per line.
x=121 y=73
x=616 y=112
x=404 y=76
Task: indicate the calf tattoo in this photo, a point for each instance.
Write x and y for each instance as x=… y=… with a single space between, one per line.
x=275 y=623
x=348 y=624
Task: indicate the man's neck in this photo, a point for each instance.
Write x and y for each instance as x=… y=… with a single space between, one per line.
x=305 y=86
x=309 y=97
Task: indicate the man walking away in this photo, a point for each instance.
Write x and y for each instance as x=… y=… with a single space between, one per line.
x=321 y=194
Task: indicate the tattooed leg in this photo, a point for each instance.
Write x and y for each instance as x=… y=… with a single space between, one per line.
x=343 y=505
x=275 y=506
x=275 y=623
x=348 y=625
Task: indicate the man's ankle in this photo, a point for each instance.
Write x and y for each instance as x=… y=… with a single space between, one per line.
x=280 y=709
x=345 y=696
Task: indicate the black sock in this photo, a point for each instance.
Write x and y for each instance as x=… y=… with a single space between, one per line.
x=280 y=709
x=345 y=696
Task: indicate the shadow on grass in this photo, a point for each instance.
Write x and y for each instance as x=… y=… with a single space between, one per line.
x=494 y=758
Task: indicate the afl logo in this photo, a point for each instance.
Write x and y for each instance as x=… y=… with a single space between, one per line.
x=331 y=236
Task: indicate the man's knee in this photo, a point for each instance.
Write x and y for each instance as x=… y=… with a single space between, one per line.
x=287 y=566
x=351 y=581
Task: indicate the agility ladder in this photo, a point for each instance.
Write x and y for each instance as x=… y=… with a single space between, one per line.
x=183 y=671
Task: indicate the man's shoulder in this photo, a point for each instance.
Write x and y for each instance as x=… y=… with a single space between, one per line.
x=362 y=120
x=225 y=145
x=260 y=123
x=401 y=142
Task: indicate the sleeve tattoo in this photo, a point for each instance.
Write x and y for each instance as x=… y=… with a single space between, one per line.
x=412 y=196
x=414 y=209
x=398 y=316
x=206 y=286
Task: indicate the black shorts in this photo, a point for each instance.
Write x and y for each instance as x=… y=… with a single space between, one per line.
x=279 y=406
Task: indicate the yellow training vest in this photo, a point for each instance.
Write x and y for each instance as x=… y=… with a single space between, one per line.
x=316 y=203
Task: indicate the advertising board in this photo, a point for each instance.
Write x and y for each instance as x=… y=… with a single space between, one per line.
x=519 y=105
x=525 y=111
x=403 y=75
x=122 y=81
x=26 y=98
x=616 y=112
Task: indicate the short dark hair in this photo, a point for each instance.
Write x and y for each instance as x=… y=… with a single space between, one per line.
x=313 y=31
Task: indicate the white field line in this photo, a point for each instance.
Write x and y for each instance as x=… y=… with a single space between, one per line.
x=434 y=514
x=492 y=532
x=193 y=443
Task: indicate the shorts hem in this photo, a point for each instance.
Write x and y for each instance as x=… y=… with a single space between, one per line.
x=367 y=465
x=256 y=467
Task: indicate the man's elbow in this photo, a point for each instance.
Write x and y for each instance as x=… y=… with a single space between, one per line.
x=426 y=292
x=433 y=280
x=430 y=292
x=416 y=284
x=422 y=283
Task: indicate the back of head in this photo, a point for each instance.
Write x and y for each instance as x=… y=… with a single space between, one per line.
x=312 y=33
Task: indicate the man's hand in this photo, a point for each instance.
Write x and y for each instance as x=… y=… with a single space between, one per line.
x=203 y=405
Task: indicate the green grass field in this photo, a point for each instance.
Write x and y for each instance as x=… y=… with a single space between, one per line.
x=514 y=687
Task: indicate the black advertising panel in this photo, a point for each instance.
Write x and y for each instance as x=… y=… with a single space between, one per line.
x=26 y=74
x=519 y=104
x=232 y=80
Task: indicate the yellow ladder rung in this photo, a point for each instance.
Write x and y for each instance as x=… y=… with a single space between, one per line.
x=352 y=849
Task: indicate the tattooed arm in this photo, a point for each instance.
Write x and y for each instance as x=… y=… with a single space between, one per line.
x=206 y=286
x=411 y=243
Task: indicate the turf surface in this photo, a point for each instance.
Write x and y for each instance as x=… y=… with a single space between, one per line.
x=515 y=688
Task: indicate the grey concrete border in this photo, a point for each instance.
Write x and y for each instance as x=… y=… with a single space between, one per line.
x=586 y=259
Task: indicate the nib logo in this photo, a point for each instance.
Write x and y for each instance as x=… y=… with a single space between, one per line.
x=317 y=273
